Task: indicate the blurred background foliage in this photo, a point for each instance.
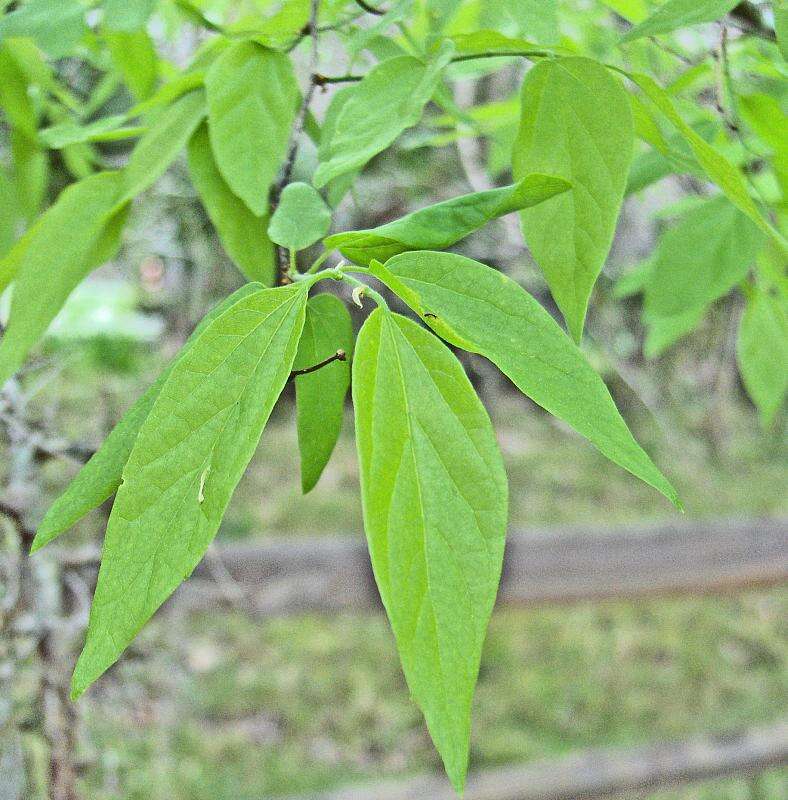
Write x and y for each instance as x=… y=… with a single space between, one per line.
x=228 y=707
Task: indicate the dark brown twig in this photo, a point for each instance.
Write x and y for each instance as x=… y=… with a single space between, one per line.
x=370 y=9
x=340 y=355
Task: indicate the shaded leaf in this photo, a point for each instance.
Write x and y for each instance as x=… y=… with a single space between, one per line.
x=127 y=16
x=55 y=25
x=320 y=395
x=562 y=132
x=480 y=310
x=435 y=504
x=243 y=235
x=675 y=14
x=300 y=219
x=185 y=464
x=442 y=225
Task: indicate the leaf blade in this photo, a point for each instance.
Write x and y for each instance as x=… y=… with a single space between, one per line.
x=675 y=14
x=300 y=219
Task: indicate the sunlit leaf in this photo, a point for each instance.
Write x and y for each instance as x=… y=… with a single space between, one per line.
x=675 y=14
x=300 y=219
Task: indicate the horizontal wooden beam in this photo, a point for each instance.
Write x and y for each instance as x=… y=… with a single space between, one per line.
x=600 y=773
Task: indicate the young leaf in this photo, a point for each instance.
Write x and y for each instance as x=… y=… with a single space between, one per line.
x=434 y=497
x=439 y=226
x=73 y=237
x=100 y=477
x=563 y=132
x=389 y=99
x=160 y=145
x=320 y=395
x=252 y=97
x=186 y=462
x=675 y=14
x=243 y=235
x=480 y=310
x=300 y=219
x=55 y=25
x=762 y=352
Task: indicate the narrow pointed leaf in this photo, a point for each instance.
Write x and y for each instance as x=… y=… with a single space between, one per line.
x=762 y=352
x=252 y=97
x=320 y=395
x=300 y=219
x=390 y=99
x=442 y=225
x=576 y=123
x=243 y=235
x=480 y=310
x=100 y=477
x=435 y=505
x=186 y=462
x=675 y=14
x=73 y=237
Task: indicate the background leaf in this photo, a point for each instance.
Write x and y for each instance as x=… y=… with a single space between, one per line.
x=320 y=395
x=675 y=14
x=562 y=132
x=435 y=504
x=186 y=462
x=127 y=15
x=479 y=309
x=243 y=235
x=300 y=219
x=55 y=25
x=252 y=96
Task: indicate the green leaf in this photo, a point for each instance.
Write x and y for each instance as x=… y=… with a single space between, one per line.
x=537 y=18
x=72 y=132
x=161 y=144
x=493 y=42
x=434 y=496
x=700 y=258
x=762 y=352
x=781 y=26
x=480 y=310
x=252 y=97
x=9 y=216
x=243 y=235
x=73 y=237
x=337 y=188
x=31 y=173
x=14 y=97
x=134 y=56
x=631 y=10
x=300 y=219
x=562 y=132
x=320 y=395
x=127 y=16
x=389 y=99
x=675 y=14
x=100 y=477
x=442 y=225
x=186 y=462
x=55 y=25
x=716 y=166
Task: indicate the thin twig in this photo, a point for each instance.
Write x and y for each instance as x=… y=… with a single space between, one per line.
x=340 y=355
x=370 y=9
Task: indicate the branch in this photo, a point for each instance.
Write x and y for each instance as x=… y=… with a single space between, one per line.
x=340 y=355
x=370 y=9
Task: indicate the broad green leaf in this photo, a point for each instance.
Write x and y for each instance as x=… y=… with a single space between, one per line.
x=664 y=332
x=300 y=219
x=442 y=225
x=762 y=352
x=189 y=455
x=700 y=259
x=390 y=99
x=252 y=97
x=100 y=477
x=716 y=166
x=562 y=132
x=75 y=235
x=14 y=97
x=434 y=497
x=632 y=10
x=243 y=235
x=161 y=144
x=127 y=16
x=480 y=310
x=320 y=395
x=675 y=14
x=337 y=188
x=55 y=25
x=134 y=56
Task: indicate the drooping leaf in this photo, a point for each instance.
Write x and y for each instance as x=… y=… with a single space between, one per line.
x=564 y=133
x=300 y=219
x=185 y=464
x=55 y=25
x=435 y=504
x=162 y=142
x=675 y=14
x=127 y=16
x=480 y=310
x=442 y=225
x=389 y=99
x=252 y=96
x=243 y=235
x=700 y=259
x=134 y=56
x=762 y=352
x=320 y=395
x=715 y=164
x=77 y=234
x=100 y=477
